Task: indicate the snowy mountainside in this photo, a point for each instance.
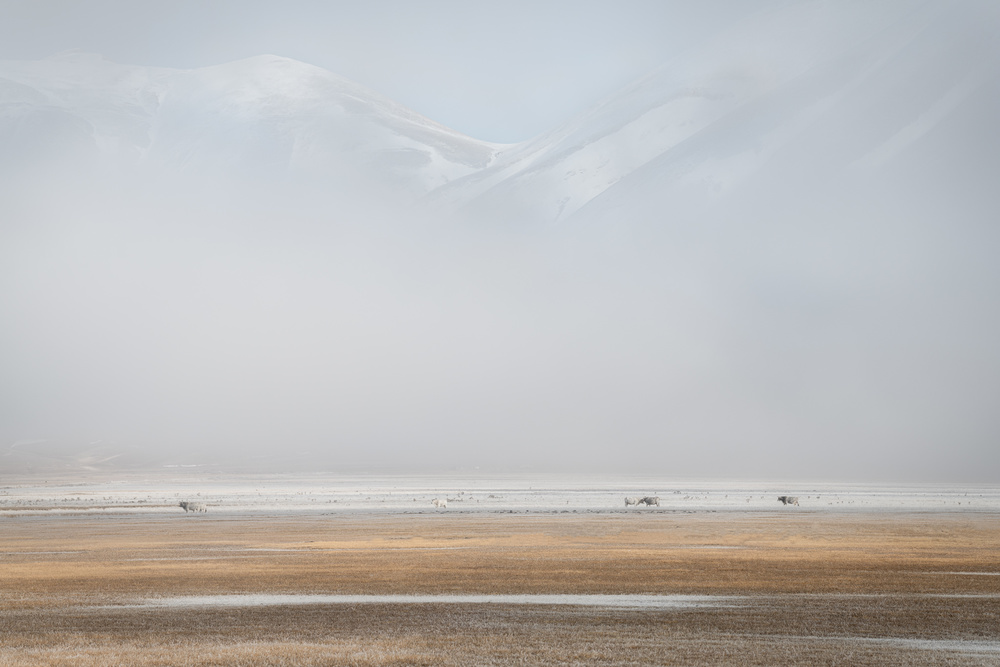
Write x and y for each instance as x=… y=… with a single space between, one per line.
x=263 y=116
x=75 y=106
x=732 y=111
x=896 y=120
x=813 y=91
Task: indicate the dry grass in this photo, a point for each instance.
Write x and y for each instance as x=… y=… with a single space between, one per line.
x=417 y=634
x=826 y=589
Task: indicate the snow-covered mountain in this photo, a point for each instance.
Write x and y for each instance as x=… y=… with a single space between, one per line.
x=265 y=116
x=816 y=93
x=800 y=97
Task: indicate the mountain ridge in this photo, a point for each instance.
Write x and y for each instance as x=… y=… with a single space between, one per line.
x=266 y=114
x=743 y=95
x=708 y=120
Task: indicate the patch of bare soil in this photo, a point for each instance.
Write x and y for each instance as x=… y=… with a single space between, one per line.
x=820 y=589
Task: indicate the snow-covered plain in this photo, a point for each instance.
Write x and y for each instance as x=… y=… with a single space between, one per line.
x=481 y=494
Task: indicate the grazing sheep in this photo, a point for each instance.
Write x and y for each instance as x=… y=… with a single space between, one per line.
x=649 y=501
x=788 y=500
x=193 y=507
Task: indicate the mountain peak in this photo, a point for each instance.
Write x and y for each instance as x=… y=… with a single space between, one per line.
x=268 y=116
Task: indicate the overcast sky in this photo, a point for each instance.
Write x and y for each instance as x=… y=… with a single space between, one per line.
x=498 y=71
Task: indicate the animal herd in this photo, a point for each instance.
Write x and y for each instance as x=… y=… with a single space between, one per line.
x=193 y=507
x=648 y=501
x=442 y=503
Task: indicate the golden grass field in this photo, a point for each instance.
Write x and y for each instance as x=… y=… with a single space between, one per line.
x=815 y=588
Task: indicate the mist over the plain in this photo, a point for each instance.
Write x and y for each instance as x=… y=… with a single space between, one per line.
x=775 y=256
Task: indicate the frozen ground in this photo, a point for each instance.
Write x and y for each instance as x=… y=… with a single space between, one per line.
x=535 y=493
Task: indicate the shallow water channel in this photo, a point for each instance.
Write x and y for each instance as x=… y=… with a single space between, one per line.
x=633 y=601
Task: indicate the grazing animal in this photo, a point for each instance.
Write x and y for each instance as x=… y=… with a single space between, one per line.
x=193 y=507
x=649 y=501
x=631 y=501
x=439 y=502
x=788 y=500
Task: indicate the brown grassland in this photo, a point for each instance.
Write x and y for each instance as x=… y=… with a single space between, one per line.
x=815 y=588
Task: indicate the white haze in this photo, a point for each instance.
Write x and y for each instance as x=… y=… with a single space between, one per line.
x=804 y=284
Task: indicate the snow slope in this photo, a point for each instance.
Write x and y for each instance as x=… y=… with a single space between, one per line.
x=810 y=90
x=902 y=122
x=264 y=116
